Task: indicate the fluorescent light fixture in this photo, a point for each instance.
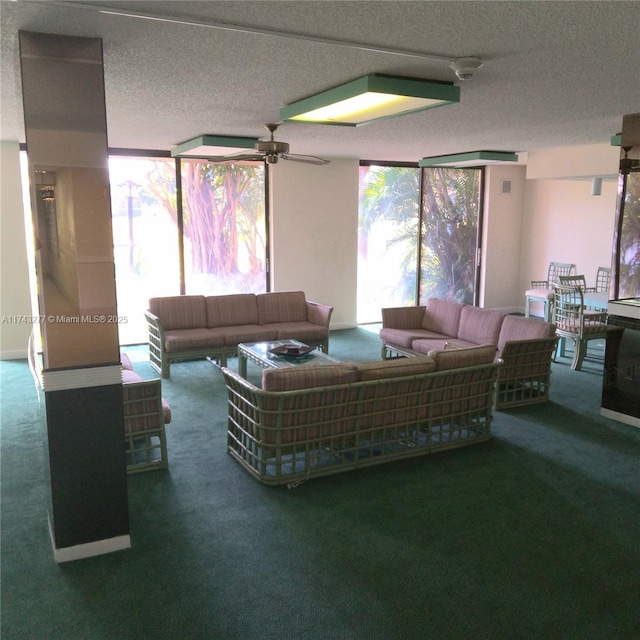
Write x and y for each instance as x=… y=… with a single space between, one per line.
x=373 y=97
x=208 y=146
x=469 y=159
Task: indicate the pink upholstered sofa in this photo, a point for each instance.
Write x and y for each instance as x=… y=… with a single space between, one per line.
x=194 y=327
x=310 y=421
x=524 y=345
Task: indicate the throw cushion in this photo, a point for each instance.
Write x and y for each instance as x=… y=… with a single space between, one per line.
x=281 y=306
x=442 y=316
x=480 y=326
x=520 y=328
x=235 y=309
x=180 y=312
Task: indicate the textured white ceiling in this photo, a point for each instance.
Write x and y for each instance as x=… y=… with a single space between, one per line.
x=555 y=73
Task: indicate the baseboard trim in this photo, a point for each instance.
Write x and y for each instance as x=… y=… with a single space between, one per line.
x=620 y=417
x=19 y=354
x=91 y=549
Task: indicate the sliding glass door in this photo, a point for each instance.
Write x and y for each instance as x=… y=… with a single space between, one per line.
x=418 y=236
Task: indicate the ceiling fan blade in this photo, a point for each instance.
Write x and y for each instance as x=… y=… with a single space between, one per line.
x=308 y=159
x=237 y=157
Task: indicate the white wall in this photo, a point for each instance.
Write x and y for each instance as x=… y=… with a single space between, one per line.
x=15 y=300
x=314 y=222
x=563 y=222
x=314 y=233
x=502 y=237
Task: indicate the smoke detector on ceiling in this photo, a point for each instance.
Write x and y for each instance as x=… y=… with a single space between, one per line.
x=466 y=68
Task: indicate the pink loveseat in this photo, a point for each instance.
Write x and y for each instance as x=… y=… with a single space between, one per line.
x=195 y=327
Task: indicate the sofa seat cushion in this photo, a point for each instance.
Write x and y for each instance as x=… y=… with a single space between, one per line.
x=520 y=328
x=399 y=367
x=180 y=312
x=405 y=337
x=480 y=326
x=281 y=306
x=297 y=330
x=230 y=310
x=442 y=316
x=424 y=346
x=192 y=340
x=466 y=357
x=129 y=375
x=245 y=333
x=126 y=362
x=307 y=377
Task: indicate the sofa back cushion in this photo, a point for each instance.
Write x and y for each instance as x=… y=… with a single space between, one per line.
x=481 y=326
x=442 y=316
x=306 y=377
x=519 y=328
x=232 y=310
x=281 y=306
x=396 y=368
x=465 y=357
x=180 y=312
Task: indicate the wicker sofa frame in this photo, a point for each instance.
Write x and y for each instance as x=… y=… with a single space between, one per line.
x=287 y=437
x=526 y=346
x=145 y=415
x=193 y=327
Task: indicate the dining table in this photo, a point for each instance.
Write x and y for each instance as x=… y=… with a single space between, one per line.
x=598 y=300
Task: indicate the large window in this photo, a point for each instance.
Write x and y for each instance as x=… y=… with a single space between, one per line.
x=418 y=236
x=145 y=237
x=212 y=240
x=225 y=246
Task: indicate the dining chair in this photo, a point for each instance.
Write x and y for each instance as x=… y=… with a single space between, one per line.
x=574 y=281
x=573 y=322
x=603 y=280
x=542 y=290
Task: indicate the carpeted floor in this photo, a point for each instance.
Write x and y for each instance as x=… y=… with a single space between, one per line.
x=532 y=535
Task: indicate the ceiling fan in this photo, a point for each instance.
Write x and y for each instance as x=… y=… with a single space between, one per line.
x=270 y=151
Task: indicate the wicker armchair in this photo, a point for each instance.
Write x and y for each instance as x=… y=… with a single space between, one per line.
x=542 y=290
x=574 y=322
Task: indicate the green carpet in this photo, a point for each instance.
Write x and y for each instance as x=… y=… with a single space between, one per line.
x=532 y=535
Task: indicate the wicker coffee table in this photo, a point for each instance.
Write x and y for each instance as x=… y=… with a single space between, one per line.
x=259 y=353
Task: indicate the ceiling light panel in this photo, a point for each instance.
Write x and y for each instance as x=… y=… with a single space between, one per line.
x=469 y=159
x=373 y=97
x=207 y=146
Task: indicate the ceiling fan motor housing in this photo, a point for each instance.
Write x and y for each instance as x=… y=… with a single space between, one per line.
x=272 y=146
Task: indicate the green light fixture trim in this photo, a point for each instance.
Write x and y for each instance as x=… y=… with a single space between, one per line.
x=469 y=159
x=370 y=98
x=209 y=146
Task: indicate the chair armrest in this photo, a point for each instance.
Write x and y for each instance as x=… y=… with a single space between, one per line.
x=540 y=284
x=318 y=313
x=153 y=320
x=403 y=317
